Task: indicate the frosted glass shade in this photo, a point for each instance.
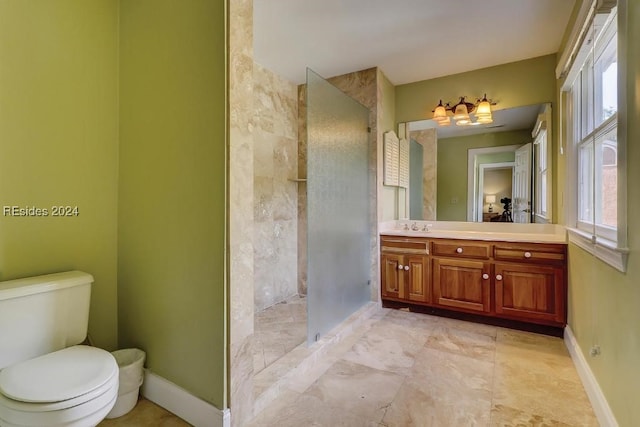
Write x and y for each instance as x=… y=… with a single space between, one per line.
x=439 y=113
x=484 y=108
x=483 y=112
x=461 y=112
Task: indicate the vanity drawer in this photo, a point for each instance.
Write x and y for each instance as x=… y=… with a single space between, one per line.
x=530 y=252
x=404 y=245
x=461 y=249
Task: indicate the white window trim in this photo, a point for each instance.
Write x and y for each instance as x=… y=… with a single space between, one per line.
x=604 y=249
x=604 y=128
x=613 y=253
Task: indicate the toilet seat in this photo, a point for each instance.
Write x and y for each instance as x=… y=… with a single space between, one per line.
x=69 y=387
x=58 y=376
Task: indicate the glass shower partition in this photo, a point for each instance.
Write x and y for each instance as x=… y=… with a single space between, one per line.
x=338 y=229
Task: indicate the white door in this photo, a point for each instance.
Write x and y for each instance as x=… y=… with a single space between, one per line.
x=521 y=203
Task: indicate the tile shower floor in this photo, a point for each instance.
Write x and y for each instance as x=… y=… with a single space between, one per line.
x=278 y=330
x=408 y=369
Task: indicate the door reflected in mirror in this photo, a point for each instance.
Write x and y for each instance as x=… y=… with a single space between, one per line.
x=456 y=171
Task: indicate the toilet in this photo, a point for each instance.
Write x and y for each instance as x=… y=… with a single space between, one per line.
x=46 y=377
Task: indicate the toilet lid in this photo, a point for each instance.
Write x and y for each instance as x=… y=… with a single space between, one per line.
x=58 y=376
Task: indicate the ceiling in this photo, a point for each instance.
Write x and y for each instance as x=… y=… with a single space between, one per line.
x=410 y=40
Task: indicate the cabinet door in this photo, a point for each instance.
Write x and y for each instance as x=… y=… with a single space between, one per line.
x=459 y=283
x=391 y=275
x=530 y=292
x=417 y=277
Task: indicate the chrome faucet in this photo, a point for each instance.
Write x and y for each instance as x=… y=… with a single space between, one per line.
x=414 y=227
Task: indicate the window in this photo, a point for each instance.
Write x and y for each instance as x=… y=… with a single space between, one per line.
x=592 y=115
x=595 y=124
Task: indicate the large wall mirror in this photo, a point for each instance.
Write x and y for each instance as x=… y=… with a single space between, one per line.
x=498 y=172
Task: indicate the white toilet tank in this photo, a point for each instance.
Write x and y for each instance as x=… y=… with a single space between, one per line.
x=43 y=314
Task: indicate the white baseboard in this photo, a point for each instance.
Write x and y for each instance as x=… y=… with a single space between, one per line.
x=175 y=399
x=594 y=392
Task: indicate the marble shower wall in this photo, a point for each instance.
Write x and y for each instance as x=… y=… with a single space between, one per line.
x=241 y=202
x=364 y=87
x=428 y=138
x=275 y=160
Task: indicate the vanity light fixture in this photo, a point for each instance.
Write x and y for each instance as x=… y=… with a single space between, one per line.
x=461 y=111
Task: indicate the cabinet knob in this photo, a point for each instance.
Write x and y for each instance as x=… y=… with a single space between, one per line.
x=406 y=267
x=400 y=266
x=527 y=254
x=485 y=276
x=499 y=277
x=459 y=250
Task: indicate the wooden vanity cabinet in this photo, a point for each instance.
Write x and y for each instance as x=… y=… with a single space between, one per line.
x=391 y=276
x=461 y=283
x=530 y=282
x=416 y=278
x=405 y=269
x=462 y=249
x=461 y=275
x=524 y=282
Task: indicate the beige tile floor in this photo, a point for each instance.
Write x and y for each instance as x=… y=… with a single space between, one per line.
x=146 y=414
x=405 y=369
x=409 y=369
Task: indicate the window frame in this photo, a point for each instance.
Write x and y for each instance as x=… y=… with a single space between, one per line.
x=605 y=242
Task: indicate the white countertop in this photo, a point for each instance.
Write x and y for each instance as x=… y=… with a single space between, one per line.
x=506 y=232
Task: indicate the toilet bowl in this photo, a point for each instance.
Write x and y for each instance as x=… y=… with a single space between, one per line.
x=46 y=377
x=76 y=386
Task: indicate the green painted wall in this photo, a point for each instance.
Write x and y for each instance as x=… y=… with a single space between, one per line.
x=452 y=169
x=604 y=304
x=59 y=144
x=171 y=222
x=388 y=103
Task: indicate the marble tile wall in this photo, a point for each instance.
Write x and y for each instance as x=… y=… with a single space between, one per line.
x=241 y=202
x=429 y=140
x=363 y=86
x=275 y=160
